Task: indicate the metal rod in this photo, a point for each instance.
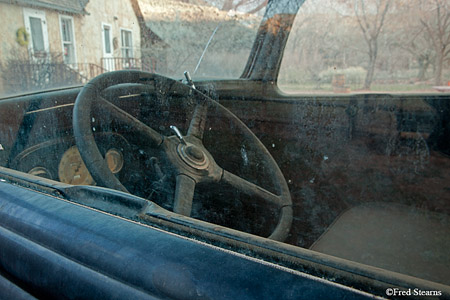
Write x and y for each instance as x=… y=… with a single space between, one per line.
x=206 y=47
x=178 y=133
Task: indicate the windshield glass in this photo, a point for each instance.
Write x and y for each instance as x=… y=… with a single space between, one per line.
x=70 y=44
x=318 y=131
x=216 y=47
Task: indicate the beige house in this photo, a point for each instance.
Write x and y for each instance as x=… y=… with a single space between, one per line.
x=78 y=38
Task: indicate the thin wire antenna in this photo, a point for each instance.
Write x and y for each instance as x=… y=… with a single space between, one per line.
x=206 y=47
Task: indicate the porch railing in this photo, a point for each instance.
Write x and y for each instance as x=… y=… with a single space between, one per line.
x=26 y=76
x=128 y=63
x=20 y=75
x=87 y=71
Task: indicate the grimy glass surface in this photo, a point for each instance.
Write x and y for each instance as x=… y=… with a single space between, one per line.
x=352 y=137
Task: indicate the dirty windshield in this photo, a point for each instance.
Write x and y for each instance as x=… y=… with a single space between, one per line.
x=73 y=43
x=320 y=124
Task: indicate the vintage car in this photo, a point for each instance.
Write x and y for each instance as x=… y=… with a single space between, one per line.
x=143 y=184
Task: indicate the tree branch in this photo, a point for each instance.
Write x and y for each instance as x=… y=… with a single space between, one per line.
x=259 y=7
x=358 y=18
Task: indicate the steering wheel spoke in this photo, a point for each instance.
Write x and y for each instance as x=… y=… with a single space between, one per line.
x=251 y=189
x=184 y=194
x=198 y=122
x=154 y=139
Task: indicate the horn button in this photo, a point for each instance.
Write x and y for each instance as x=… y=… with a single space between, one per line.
x=193 y=155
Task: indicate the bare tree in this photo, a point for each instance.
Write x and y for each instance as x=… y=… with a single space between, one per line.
x=423 y=56
x=371 y=20
x=408 y=35
x=436 y=21
x=417 y=45
x=247 y=6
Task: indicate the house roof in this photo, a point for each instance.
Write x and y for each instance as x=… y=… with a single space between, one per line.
x=68 y=6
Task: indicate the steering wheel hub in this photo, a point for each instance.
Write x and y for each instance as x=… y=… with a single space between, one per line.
x=193 y=155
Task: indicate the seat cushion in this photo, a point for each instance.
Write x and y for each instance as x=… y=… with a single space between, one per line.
x=395 y=237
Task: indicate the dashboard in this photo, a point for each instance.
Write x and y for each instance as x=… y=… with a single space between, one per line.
x=43 y=142
x=59 y=159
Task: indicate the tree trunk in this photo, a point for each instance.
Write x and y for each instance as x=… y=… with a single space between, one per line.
x=369 y=75
x=371 y=29
x=424 y=63
x=438 y=69
x=373 y=51
x=227 y=5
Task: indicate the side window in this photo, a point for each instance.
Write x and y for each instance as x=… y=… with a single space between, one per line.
x=36 y=26
x=360 y=46
x=68 y=40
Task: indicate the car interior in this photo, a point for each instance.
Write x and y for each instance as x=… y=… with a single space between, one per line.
x=350 y=180
x=359 y=228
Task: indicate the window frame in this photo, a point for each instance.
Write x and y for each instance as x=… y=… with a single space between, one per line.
x=122 y=40
x=73 y=42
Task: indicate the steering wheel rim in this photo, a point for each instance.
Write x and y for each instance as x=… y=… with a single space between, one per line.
x=186 y=154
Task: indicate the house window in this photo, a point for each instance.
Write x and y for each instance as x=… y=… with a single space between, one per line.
x=68 y=41
x=127 y=43
x=107 y=39
x=36 y=26
x=36 y=34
